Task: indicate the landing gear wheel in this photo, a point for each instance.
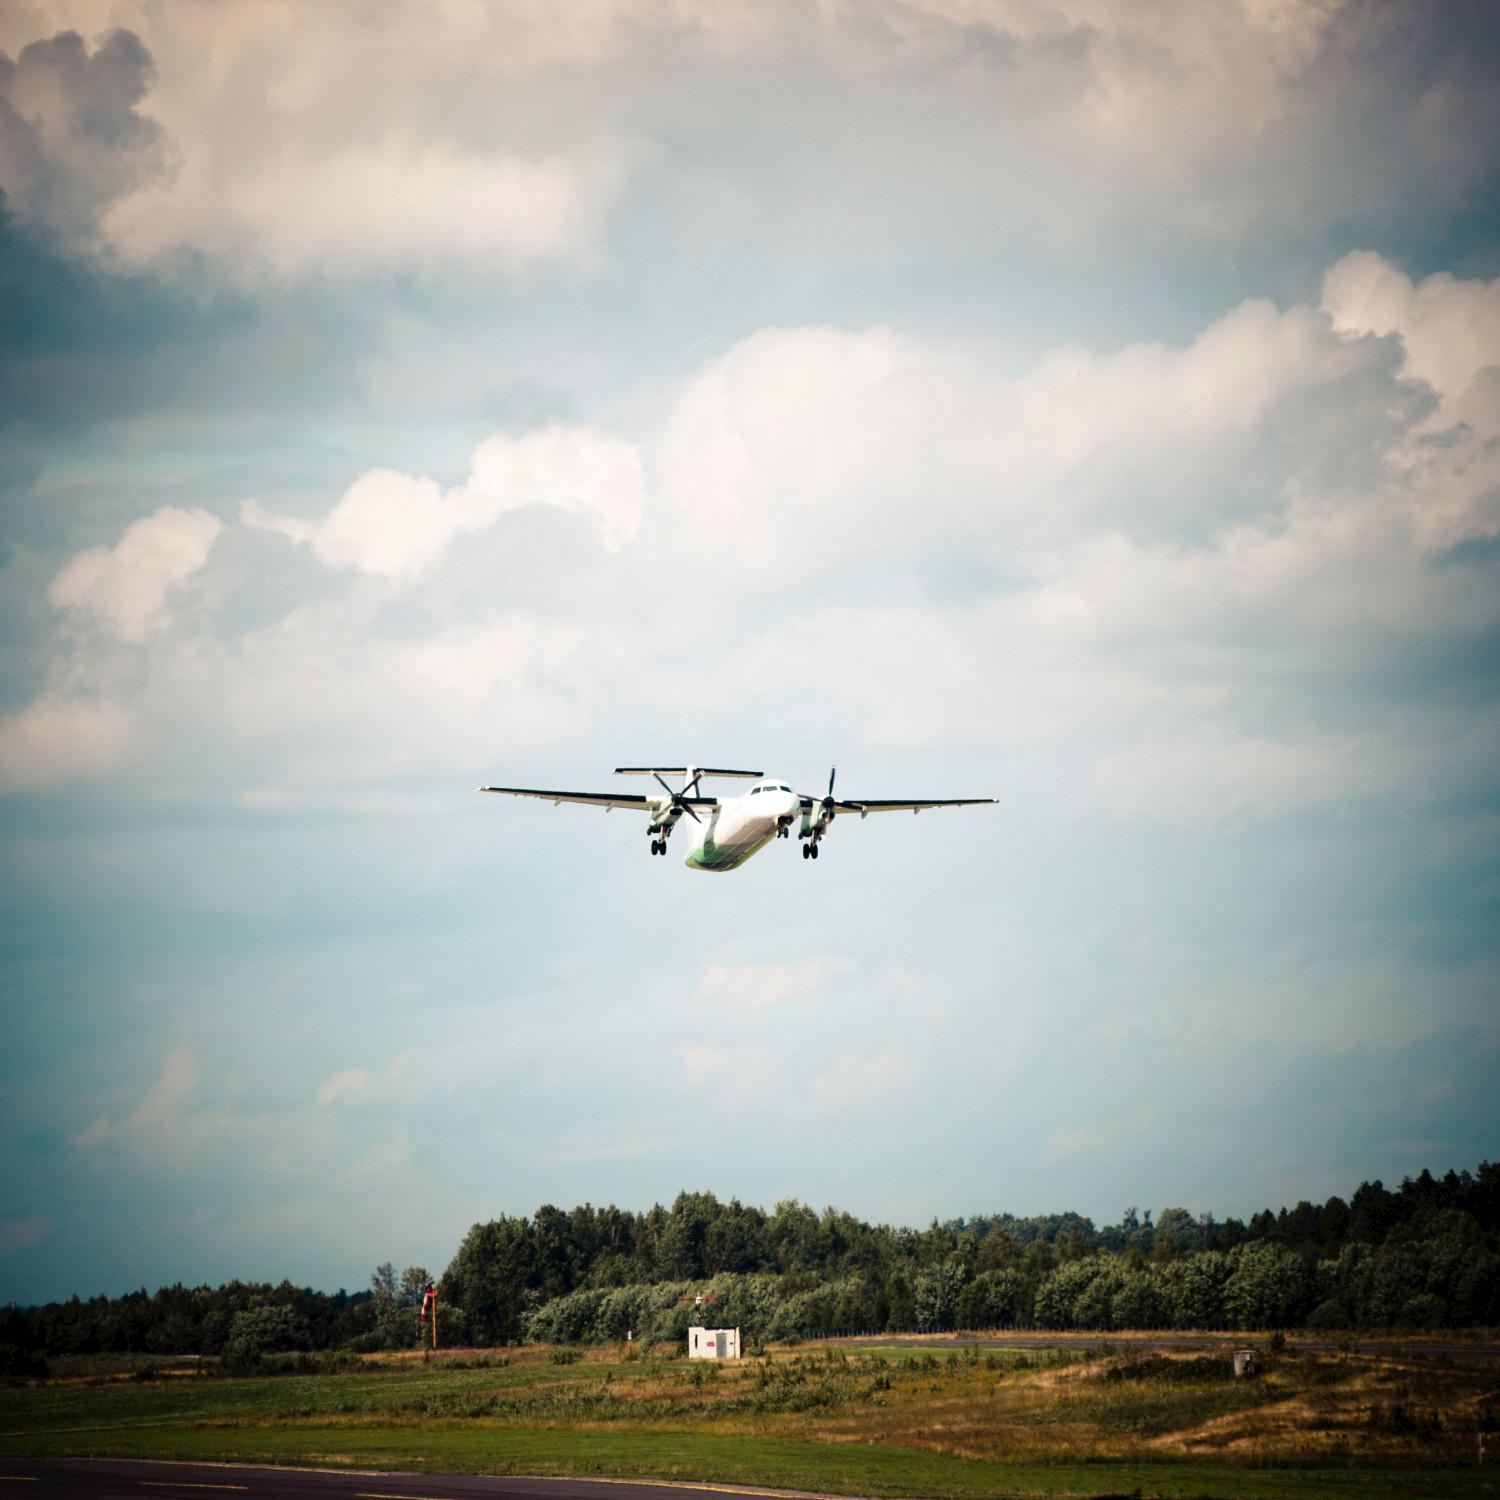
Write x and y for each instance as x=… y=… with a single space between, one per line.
x=806 y=851
x=814 y=851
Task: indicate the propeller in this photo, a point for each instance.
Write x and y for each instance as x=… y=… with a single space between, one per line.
x=825 y=805
x=678 y=797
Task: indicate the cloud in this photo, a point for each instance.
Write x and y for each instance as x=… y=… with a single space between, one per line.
x=58 y=739
x=389 y=1158
x=346 y=708
x=1449 y=332
x=1449 y=328
x=399 y=526
x=71 y=137
x=17 y=1234
x=163 y=1123
x=352 y=1085
x=124 y=588
x=518 y=129
x=818 y=444
x=1081 y=1140
x=1140 y=532
x=363 y=207
x=702 y=1062
x=81 y=726
x=754 y=988
x=91 y=1135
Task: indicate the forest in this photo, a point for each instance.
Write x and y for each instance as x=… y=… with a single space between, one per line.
x=1426 y=1255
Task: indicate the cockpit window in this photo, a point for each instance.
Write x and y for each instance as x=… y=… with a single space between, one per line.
x=755 y=791
x=783 y=789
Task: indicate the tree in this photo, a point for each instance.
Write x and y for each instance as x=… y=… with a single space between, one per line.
x=1177 y=1233
x=264 y=1328
x=1193 y=1290
x=1270 y=1287
x=935 y=1294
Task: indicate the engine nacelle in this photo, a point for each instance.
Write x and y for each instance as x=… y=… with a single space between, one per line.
x=664 y=812
x=815 y=821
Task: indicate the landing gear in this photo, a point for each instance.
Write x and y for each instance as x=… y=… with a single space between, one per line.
x=658 y=846
x=810 y=851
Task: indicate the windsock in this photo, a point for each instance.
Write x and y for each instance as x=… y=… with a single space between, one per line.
x=429 y=1302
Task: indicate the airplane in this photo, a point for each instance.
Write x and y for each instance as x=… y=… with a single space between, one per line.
x=735 y=827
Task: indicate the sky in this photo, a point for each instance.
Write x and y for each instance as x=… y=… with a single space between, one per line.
x=1094 y=406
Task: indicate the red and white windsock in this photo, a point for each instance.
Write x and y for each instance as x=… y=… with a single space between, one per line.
x=429 y=1303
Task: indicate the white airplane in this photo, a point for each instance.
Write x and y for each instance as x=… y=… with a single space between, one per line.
x=731 y=829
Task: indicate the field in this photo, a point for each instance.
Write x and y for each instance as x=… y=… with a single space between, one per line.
x=1086 y=1420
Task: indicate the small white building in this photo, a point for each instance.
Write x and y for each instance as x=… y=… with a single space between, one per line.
x=713 y=1343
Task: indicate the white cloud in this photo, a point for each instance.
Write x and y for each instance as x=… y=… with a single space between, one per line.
x=364 y=206
x=1079 y=1140
x=124 y=588
x=1151 y=528
x=163 y=1125
x=754 y=988
x=351 y=1086
x=813 y=445
x=1449 y=328
x=399 y=526
x=389 y=1158
x=704 y=1062
x=344 y=708
x=288 y=155
x=504 y=135
x=58 y=739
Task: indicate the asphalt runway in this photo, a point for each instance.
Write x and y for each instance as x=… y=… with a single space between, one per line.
x=130 y=1479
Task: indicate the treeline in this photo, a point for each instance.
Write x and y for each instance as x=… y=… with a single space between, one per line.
x=1426 y=1255
x=1423 y=1256
x=239 y=1322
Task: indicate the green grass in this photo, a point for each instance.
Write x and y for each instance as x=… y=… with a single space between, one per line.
x=738 y=1459
x=876 y=1423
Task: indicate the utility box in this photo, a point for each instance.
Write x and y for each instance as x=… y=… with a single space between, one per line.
x=1246 y=1362
x=713 y=1343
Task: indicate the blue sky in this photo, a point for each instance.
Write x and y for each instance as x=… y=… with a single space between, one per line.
x=1091 y=405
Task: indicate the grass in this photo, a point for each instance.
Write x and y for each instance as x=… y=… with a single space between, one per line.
x=1077 y=1422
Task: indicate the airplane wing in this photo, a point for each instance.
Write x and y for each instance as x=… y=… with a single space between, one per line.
x=606 y=800
x=912 y=805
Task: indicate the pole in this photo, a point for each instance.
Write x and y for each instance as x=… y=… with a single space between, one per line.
x=434 y=1320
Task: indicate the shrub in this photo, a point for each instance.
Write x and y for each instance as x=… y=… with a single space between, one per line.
x=17 y=1363
x=1180 y=1371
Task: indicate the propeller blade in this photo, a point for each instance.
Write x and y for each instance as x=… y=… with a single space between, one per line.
x=834 y=771
x=677 y=797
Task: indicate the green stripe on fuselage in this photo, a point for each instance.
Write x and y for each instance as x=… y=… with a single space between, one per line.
x=712 y=855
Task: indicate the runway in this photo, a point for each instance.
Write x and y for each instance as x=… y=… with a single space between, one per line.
x=130 y=1479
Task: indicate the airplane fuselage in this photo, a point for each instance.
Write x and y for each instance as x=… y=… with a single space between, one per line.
x=740 y=826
